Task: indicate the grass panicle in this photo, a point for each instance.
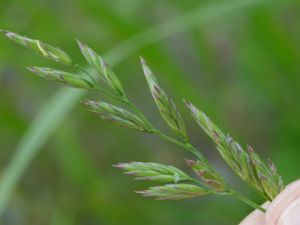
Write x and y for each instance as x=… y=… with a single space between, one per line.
x=248 y=165
x=59 y=105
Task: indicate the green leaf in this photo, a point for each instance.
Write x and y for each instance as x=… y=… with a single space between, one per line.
x=174 y=191
x=165 y=105
x=154 y=172
x=104 y=70
x=118 y=115
x=68 y=79
x=47 y=51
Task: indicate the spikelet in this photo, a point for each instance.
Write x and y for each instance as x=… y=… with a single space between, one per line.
x=46 y=50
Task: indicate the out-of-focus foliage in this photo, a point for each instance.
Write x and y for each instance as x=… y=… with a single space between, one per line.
x=243 y=70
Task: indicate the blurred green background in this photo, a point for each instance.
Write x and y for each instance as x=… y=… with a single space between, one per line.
x=241 y=67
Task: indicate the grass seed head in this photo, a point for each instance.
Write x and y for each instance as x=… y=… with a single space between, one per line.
x=46 y=50
x=69 y=79
x=104 y=70
x=154 y=172
x=165 y=105
x=174 y=191
x=207 y=175
x=117 y=115
x=247 y=165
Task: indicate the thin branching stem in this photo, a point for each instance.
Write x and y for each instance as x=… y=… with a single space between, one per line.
x=126 y=101
x=83 y=70
x=186 y=145
x=235 y=194
x=109 y=94
x=246 y=200
x=179 y=143
x=229 y=190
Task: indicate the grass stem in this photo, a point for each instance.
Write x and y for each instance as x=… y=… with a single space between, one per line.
x=247 y=201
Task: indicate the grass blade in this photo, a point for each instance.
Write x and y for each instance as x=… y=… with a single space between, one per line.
x=48 y=119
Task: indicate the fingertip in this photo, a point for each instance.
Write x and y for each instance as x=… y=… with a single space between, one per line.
x=256 y=217
x=282 y=202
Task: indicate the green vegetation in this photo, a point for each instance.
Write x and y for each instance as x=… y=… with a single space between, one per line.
x=264 y=179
